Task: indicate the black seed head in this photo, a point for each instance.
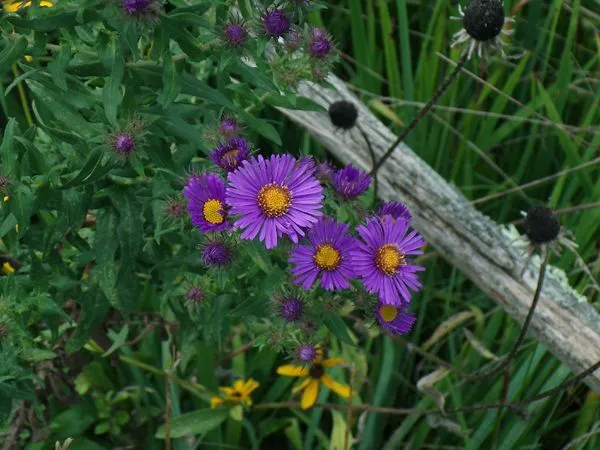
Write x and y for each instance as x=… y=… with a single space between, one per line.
x=343 y=114
x=540 y=225
x=484 y=19
x=316 y=371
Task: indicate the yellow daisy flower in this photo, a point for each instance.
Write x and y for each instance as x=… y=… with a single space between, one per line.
x=13 y=6
x=315 y=375
x=238 y=393
x=7 y=268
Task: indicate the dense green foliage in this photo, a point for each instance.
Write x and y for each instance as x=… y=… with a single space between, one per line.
x=97 y=339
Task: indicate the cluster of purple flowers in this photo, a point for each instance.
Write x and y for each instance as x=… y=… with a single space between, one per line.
x=281 y=196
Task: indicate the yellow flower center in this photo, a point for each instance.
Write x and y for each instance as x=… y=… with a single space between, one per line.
x=230 y=157
x=388 y=313
x=213 y=211
x=327 y=257
x=388 y=258
x=274 y=200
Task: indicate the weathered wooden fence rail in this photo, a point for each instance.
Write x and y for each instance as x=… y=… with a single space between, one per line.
x=475 y=244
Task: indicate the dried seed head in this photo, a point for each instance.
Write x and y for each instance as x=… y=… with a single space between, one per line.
x=484 y=19
x=343 y=114
x=541 y=226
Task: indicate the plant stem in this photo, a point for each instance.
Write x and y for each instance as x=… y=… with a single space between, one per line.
x=536 y=296
x=423 y=112
x=23 y=97
x=374 y=162
x=407 y=411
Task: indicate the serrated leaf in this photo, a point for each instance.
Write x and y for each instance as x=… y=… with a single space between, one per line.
x=111 y=94
x=197 y=422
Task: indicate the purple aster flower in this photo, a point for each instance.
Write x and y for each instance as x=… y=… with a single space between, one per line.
x=319 y=43
x=274 y=196
x=235 y=34
x=306 y=353
x=291 y=309
x=276 y=22
x=135 y=6
x=124 y=144
x=381 y=259
x=395 y=210
x=395 y=320
x=350 y=182
x=230 y=154
x=328 y=254
x=216 y=253
x=206 y=202
x=228 y=127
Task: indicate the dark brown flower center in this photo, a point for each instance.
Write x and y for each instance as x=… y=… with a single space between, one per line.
x=316 y=371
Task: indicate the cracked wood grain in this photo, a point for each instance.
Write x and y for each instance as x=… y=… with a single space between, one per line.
x=482 y=249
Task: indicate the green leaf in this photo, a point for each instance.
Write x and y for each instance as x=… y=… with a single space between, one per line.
x=105 y=246
x=111 y=94
x=9 y=156
x=11 y=54
x=338 y=327
x=197 y=422
x=94 y=307
x=73 y=421
x=170 y=78
x=58 y=67
x=261 y=126
x=64 y=113
x=8 y=225
x=90 y=170
x=119 y=339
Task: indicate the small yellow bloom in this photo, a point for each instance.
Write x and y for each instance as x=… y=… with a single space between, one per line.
x=315 y=374
x=6 y=198
x=18 y=4
x=238 y=393
x=7 y=268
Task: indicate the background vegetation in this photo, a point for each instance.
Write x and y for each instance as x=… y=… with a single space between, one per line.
x=533 y=116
